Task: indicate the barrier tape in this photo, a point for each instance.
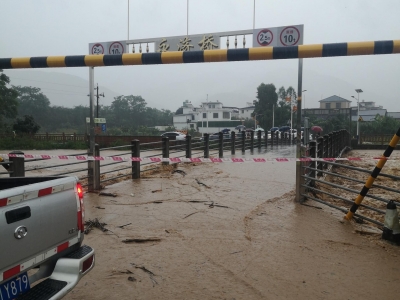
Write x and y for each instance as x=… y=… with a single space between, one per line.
x=193 y=160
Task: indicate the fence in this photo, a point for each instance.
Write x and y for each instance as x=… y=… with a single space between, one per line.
x=96 y=173
x=335 y=182
x=375 y=139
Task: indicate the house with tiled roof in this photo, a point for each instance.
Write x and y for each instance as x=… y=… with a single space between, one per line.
x=334 y=102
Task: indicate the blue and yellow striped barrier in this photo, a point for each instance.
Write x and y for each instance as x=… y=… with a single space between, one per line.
x=178 y=57
x=368 y=184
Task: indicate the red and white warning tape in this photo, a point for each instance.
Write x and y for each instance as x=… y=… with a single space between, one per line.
x=193 y=160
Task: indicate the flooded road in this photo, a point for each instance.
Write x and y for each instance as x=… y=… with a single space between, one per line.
x=228 y=231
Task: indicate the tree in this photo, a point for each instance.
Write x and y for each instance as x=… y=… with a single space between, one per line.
x=8 y=99
x=33 y=102
x=266 y=99
x=27 y=125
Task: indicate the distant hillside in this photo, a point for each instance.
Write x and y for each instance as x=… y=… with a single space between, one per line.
x=61 y=89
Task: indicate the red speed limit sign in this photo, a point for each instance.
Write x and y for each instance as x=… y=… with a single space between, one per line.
x=265 y=37
x=290 y=36
x=97 y=49
x=116 y=48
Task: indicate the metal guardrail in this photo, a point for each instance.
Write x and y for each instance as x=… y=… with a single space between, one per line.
x=96 y=173
x=319 y=176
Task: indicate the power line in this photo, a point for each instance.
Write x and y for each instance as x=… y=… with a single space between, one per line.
x=80 y=86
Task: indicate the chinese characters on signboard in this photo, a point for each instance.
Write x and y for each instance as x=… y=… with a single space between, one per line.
x=188 y=43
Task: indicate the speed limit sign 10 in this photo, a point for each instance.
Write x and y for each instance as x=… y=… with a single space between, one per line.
x=116 y=48
x=290 y=36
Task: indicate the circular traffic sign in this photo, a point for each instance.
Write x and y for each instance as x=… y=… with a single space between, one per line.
x=290 y=36
x=265 y=37
x=116 y=48
x=97 y=49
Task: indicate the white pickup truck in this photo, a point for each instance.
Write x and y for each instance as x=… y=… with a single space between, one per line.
x=41 y=234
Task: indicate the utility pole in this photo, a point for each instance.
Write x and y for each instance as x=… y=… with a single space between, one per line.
x=98 y=96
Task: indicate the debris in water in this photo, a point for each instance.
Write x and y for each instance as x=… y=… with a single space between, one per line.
x=201 y=183
x=108 y=194
x=142 y=240
x=122 y=226
x=179 y=171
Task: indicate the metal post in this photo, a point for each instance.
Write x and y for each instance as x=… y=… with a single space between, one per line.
x=165 y=149
x=206 y=145
x=221 y=144
x=251 y=141
x=188 y=146
x=17 y=164
x=320 y=152
x=243 y=142
x=91 y=89
x=135 y=164
x=272 y=139
x=96 y=174
x=330 y=143
x=91 y=171
x=266 y=139
x=233 y=142
x=298 y=128
x=259 y=140
x=358 y=118
x=325 y=153
x=313 y=149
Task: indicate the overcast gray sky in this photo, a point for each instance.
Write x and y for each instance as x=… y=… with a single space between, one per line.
x=53 y=27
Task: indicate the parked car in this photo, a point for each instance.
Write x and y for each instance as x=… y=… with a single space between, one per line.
x=284 y=128
x=174 y=135
x=273 y=129
x=215 y=136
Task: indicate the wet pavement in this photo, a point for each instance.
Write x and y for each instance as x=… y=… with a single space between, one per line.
x=229 y=231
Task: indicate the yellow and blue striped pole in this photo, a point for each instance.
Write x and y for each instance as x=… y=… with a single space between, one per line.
x=373 y=175
x=223 y=55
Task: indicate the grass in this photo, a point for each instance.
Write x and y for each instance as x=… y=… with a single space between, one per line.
x=26 y=143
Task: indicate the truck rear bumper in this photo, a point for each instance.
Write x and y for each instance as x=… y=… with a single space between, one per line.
x=66 y=275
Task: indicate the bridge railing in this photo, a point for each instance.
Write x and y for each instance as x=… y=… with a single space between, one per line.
x=334 y=180
x=111 y=164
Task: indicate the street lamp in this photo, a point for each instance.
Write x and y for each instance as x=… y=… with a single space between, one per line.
x=304 y=98
x=358 y=91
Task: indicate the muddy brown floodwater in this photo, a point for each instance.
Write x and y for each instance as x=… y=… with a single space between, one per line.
x=229 y=231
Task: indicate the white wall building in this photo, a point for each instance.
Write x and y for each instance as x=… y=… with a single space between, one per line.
x=210 y=117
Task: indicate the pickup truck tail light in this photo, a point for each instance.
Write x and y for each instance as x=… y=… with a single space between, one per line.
x=81 y=208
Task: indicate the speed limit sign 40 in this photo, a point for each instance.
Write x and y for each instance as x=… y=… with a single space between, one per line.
x=290 y=36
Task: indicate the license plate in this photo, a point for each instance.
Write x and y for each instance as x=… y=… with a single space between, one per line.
x=14 y=287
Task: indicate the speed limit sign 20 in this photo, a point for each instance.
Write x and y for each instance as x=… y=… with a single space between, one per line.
x=97 y=49
x=265 y=37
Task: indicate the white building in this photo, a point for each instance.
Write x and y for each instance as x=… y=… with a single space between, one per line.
x=210 y=117
x=245 y=112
